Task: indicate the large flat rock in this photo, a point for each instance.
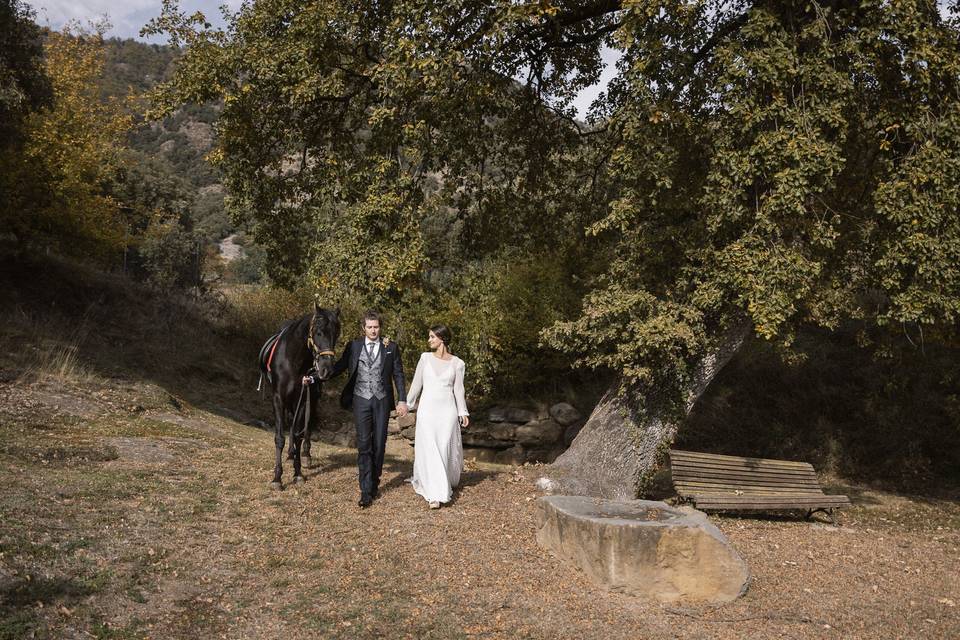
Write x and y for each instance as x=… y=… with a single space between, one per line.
x=644 y=548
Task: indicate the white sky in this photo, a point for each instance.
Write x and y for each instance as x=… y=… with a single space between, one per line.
x=126 y=16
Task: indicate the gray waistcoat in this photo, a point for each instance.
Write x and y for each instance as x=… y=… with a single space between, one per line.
x=369 y=375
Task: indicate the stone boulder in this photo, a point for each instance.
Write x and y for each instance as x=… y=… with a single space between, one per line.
x=644 y=548
x=396 y=423
x=511 y=414
x=481 y=438
x=564 y=414
x=539 y=433
x=502 y=431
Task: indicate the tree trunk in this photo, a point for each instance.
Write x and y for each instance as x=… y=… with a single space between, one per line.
x=619 y=448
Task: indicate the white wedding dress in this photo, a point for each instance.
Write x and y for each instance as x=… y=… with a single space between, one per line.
x=438 y=450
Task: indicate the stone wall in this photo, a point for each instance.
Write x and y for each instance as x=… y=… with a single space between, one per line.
x=511 y=435
x=500 y=434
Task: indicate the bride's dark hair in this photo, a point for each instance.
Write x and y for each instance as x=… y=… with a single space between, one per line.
x=442 y=332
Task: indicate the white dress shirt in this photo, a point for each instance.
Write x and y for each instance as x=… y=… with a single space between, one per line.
x=376 y=347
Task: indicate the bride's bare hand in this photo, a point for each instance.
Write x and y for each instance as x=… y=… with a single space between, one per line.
x=464 y=421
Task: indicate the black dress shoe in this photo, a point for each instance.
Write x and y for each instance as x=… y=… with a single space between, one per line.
x=364 y=501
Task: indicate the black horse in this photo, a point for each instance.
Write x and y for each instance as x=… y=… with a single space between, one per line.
x=301 y=347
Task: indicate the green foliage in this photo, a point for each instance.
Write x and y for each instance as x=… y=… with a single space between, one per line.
x=24 y=87
x=366 y=159
x=784 y=162
x=768 y=163
x=69 y=154
x=250 y=268
x=170 y=255
x=496 y=310
x=150 y=184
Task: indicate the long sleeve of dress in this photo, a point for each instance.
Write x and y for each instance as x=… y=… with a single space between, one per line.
x=416 y=386
x=458 y=391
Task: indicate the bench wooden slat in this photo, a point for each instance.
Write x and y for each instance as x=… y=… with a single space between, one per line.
x=686 y=474
x=731 y=476
x=773 y=486
x=779 y=498
x=727 y=468
x=688 y=463
x=730 y=483
x=716 y=457
x=704 y=487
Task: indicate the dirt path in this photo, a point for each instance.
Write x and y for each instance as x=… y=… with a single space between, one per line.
x=126 y=519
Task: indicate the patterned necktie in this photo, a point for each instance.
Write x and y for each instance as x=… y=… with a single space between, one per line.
x=370 y=350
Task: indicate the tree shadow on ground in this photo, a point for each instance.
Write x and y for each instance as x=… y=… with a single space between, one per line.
x=24 y=592
x=396 y=468
x=797 y=515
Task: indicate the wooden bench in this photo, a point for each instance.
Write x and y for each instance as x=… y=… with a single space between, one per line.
x=730 y=483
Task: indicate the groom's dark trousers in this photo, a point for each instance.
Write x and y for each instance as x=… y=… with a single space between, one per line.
x=370 y=417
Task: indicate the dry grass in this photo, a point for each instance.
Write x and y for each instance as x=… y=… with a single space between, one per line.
x=125 y=517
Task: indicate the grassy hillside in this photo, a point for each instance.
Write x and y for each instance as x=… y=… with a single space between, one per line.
x=62 y=319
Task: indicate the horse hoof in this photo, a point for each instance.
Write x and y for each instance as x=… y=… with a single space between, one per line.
x=276 y=486
x=299 y=480
x=307 y=461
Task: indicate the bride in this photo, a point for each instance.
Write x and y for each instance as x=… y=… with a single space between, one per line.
x=438 y=451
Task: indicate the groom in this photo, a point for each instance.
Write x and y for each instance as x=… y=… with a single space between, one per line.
x=374 y=365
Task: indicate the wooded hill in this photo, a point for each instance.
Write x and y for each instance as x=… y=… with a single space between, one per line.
x=170 y=151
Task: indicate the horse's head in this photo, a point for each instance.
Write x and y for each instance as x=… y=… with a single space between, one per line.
x=324 y=333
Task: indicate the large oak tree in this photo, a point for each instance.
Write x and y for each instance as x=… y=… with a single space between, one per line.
x=754 y=165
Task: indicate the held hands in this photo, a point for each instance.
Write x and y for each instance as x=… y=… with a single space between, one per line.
x=402 y=409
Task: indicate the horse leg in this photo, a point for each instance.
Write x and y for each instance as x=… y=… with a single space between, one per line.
x=311 y=411
x=295 y=449
x=278 y=442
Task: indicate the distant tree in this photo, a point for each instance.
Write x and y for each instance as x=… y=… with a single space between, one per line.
x=70 y=153
x=170 y=254
x=149 y=183
x=24 y=88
